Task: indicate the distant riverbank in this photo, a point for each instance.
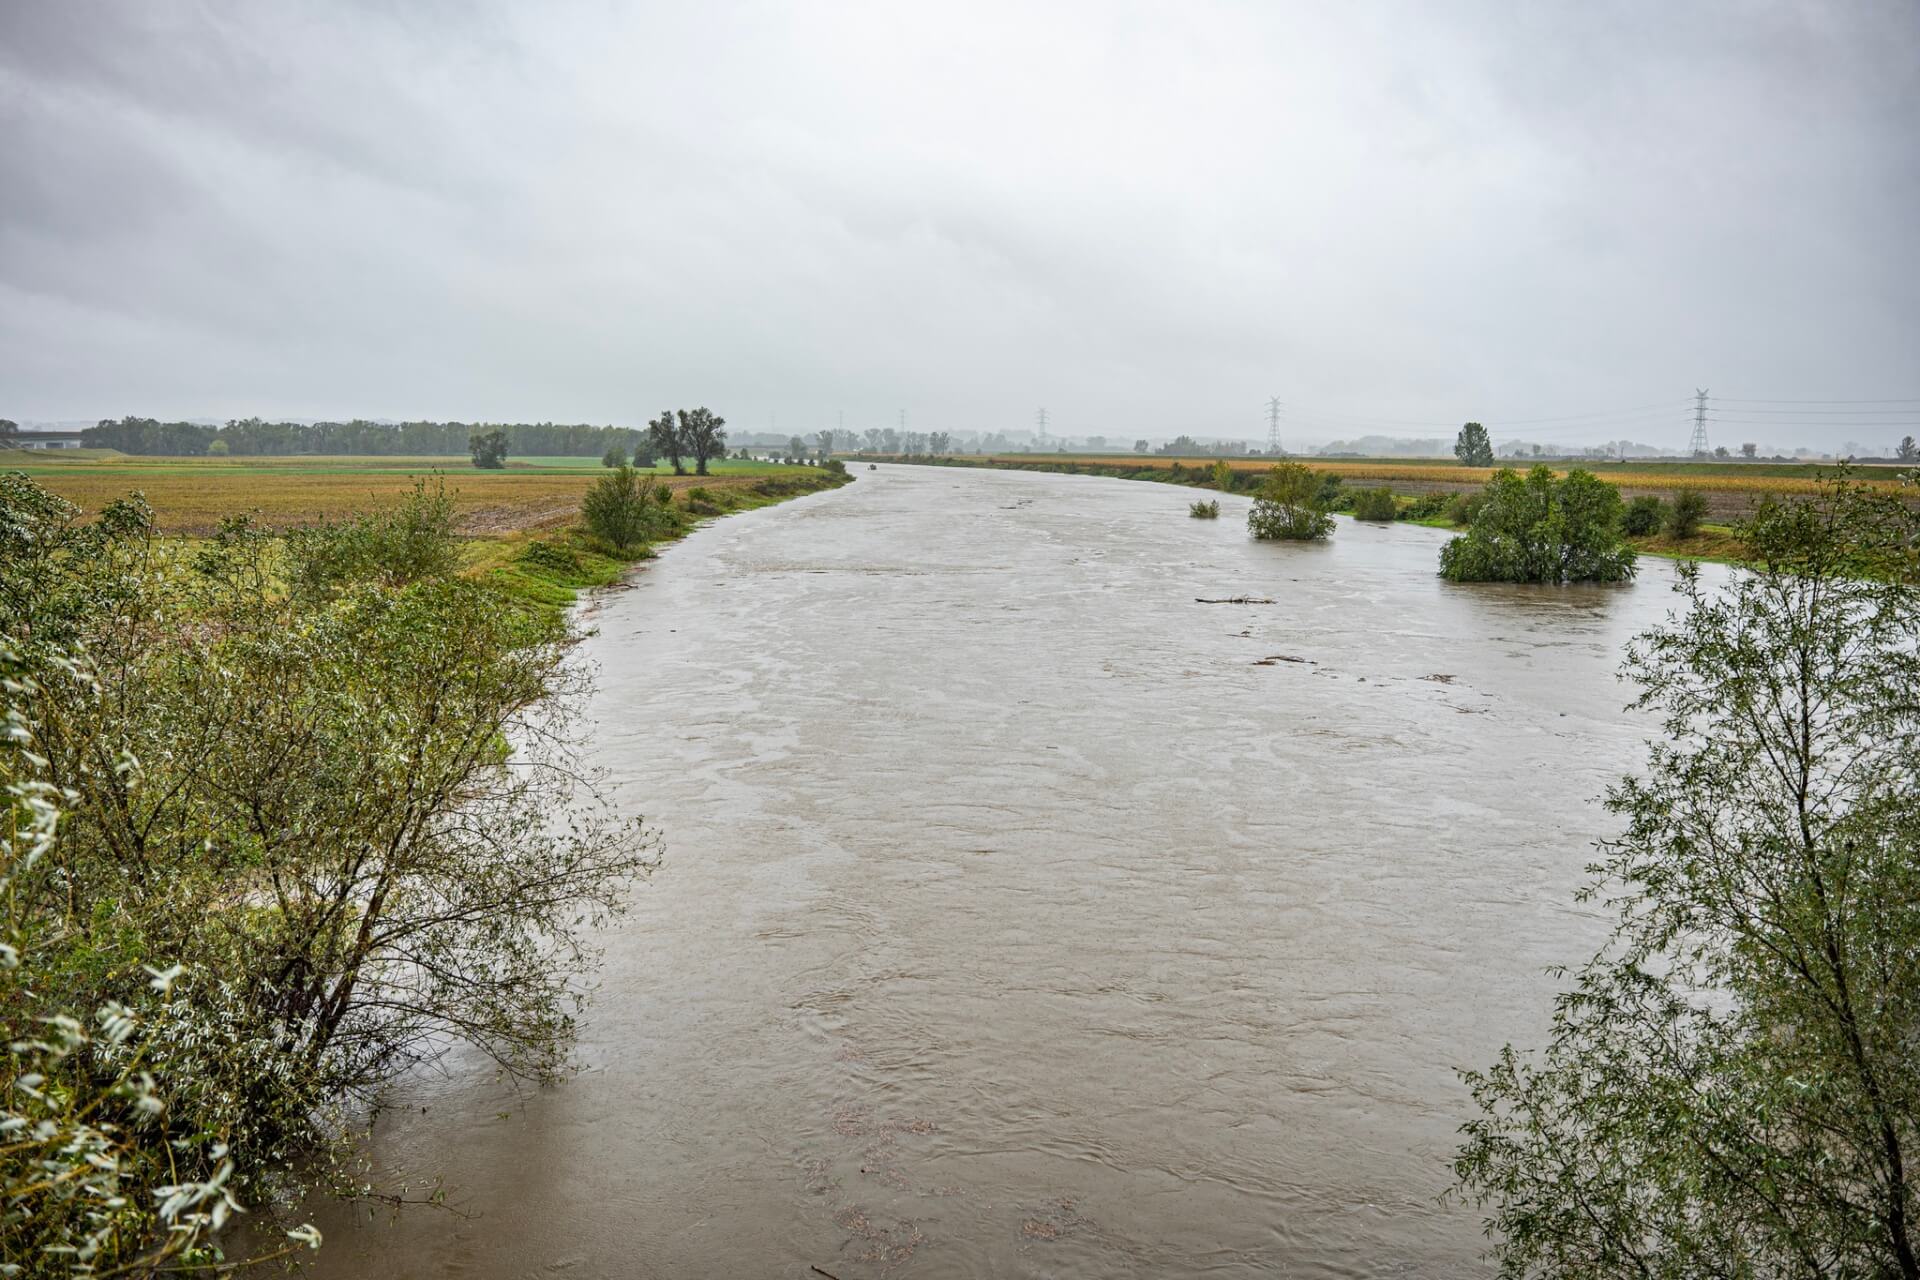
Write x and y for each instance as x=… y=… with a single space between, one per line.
x=1426 y=490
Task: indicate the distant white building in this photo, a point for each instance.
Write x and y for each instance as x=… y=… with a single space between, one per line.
x=47 y=440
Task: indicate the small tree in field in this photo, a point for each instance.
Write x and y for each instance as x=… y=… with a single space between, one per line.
x=1288 y=506
x=1222 y=476
x=1536 y=528
x=705 y=436
x=1473 y=447
x=619 y=509
x=615 y=456
x=1729 y=1088
x=1907 y=450
x=489 y=449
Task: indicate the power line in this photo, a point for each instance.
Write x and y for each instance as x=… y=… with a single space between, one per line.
x=1907 y=400
x=1821 y=412
x=1775 y=422
x=1335 y=419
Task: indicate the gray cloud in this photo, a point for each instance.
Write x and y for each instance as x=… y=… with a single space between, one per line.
x=1148 y=217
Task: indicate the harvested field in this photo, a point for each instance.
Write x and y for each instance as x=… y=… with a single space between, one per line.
x=190 y=495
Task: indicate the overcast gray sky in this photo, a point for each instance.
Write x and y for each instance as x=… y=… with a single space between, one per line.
x=1146 y=217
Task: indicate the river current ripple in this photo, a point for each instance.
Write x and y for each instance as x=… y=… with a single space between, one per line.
x=1022 y=916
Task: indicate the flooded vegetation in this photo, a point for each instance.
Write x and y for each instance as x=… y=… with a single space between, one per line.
x=1022 y=913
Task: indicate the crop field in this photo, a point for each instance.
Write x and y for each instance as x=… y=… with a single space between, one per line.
x=1757 y=477
x=190 y=495
x=1729 y=487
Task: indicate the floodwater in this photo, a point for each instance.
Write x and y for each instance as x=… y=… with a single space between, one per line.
x=1022 y=916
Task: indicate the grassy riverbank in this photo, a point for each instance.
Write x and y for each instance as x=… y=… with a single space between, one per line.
x=519 y=525
x=1424 y=489
x=345 y=822
x=551 y=566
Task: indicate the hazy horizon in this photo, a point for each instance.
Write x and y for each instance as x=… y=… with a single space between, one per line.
x=1147 y=219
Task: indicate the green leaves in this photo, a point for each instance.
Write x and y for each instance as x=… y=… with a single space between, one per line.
x=1536 y=528
x=1289 y=506
x=1473 y=446
x=323 y=775
x=620 y=509
x=1729 y=1088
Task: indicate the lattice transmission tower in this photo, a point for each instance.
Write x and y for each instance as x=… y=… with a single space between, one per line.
x=1698 y=444
x=1273 y=425
x=1040 y=421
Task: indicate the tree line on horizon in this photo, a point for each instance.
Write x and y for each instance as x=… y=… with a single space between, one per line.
x=253 y=437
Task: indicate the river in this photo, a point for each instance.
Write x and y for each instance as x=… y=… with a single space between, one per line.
x=1022 y=916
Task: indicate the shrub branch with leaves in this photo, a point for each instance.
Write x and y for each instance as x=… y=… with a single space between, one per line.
x=1730 y=1086
x=325 y=776
x=1289 y=506
x=1538 y=528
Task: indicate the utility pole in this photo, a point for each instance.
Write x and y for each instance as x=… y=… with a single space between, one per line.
x=1698 y=445
x=1041 y=419
x=1273 y=425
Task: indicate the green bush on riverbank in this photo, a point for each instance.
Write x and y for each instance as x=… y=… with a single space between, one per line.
x=287 y=811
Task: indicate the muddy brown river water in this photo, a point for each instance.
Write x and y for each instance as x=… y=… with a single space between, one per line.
x=1021 y=916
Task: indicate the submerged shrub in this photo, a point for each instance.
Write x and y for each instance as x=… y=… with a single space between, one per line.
x=1333 y=493
x=1643 y=516
x=1288 y=506
x=1684 y=516
x=1375 y=504
x=1536 y=528
x=1208 y=510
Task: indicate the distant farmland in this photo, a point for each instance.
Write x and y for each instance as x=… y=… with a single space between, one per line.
x=1730 y=487
x=191 y=495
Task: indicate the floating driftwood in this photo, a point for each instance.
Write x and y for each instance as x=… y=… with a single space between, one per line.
x=1233 y=600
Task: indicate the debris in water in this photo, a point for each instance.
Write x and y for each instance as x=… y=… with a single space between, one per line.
x=1439 y=678
x=1233 y=600
x=1282 y=657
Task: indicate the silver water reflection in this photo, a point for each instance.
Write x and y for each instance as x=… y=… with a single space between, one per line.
x=1023 y=916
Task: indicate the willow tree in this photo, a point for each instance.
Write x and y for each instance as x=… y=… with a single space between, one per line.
x=324 y=773
x=1730 y=1086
